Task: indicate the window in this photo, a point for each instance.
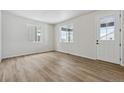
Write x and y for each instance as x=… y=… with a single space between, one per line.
x=35 y=33
x=107 y=27
x=66 y=34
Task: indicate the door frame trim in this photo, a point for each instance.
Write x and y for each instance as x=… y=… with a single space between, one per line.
x=120 y=33
x=121 y=37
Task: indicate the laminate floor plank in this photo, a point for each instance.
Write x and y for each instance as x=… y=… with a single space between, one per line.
x=58 y=67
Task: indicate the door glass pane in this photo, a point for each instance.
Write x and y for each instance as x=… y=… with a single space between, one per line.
x=110 y=33
x=103 y=33
x=107 y=28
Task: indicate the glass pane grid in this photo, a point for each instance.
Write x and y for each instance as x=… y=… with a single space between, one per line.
x=66 y=34
x=107 y=29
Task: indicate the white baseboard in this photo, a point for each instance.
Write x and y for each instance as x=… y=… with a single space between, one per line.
x=24 y=54
x=122 y=64
x=77 y=55
x=0 y=60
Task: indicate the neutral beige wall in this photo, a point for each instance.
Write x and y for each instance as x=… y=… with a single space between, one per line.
x=84 y=37
x=15 y=36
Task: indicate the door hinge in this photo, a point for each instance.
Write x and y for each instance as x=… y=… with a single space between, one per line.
x=120 y=59
x=120 y=44
x=120 y=30
x=120 y=15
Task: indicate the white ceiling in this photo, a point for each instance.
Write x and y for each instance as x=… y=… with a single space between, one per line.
x=49 y=16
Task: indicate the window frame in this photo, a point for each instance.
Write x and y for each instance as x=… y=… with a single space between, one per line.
x=68 y=29
x=33 y=30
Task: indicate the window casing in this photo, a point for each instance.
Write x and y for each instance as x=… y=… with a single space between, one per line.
x=35 y=33
x=66 y=34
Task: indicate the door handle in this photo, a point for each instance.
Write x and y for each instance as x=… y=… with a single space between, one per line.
x=97 y=43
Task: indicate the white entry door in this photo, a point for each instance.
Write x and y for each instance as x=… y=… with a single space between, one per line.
x=108 y=40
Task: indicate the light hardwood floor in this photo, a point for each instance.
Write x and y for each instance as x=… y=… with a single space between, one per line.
x=56 y=66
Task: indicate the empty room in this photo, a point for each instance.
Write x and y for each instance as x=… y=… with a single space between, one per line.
x=61 y=46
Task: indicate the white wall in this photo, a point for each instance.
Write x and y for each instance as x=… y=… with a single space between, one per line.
x=0 y=37
x=84 y=37
x=15 y=36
